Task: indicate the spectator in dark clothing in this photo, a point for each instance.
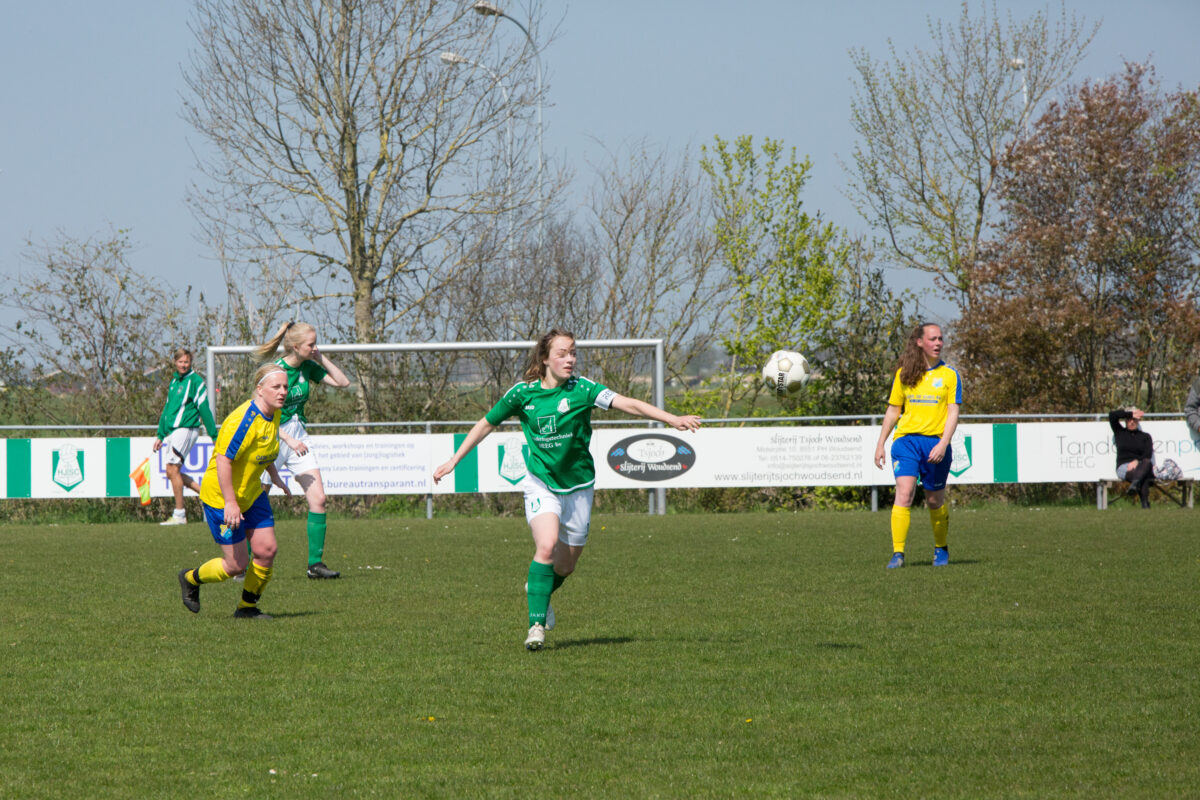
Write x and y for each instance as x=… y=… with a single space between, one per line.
x=1191 y=409
x=1135 y=452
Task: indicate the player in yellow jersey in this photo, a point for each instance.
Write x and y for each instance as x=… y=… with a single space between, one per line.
x=923 y=408
x=235 y=506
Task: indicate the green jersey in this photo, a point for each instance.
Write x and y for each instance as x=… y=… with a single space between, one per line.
x=558 y=427
x=187 y=406
x=300 y=380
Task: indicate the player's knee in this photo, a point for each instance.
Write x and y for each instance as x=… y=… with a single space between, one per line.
x=233 y=569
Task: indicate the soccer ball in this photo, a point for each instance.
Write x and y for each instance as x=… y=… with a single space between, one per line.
x=785 y=373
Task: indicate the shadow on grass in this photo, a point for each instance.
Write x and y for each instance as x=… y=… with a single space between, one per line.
x=960 y=562
x=595 y=641
x=287 y=615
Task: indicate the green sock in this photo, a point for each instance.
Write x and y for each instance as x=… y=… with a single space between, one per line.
x=558 y=581
x=316 y=537
x=541 y=582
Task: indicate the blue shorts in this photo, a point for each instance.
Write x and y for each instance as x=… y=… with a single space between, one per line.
x=258 y=515
x=910 y=456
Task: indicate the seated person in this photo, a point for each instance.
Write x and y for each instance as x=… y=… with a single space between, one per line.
x=1135 y=452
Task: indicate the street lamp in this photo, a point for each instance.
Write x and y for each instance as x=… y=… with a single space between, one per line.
x=1019 y=64
x=492 y=10
x=452 y=59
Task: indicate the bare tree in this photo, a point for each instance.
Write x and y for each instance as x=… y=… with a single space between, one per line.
x=932 y=126
x=344 y=145
x=658 y=275
x=91 y=329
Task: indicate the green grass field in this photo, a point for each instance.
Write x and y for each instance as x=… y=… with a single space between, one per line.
x=695 y=656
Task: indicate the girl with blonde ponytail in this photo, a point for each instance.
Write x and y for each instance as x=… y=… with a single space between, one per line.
x=304 y=364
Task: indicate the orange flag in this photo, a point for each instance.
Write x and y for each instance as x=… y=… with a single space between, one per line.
x=141 y=479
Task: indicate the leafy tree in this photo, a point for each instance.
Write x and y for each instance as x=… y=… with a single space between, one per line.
x=784 y=268
x=858 y=351
x=932 y=126
x=1088 y=298
x=345 y=146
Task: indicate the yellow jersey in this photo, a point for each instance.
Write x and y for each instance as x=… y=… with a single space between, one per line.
x=250 y=440
x=926 y=405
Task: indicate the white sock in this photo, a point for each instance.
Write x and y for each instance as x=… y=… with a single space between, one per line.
x=181 y=513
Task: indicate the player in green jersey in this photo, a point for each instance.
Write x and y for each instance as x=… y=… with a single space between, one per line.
x=179 y=427
x=305 y=365
x=554 y=406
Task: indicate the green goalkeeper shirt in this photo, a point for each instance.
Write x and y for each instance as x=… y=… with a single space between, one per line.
x=558 y=427
x=187 y=406
x=300 y=380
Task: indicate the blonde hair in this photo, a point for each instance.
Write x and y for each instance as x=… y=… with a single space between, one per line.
x=289 y=335
x=263 y=371
x=535 y=365
x=182 y=351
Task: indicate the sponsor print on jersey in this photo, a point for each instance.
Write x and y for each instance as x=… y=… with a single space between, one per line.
x=651 y=457
x=546 y=425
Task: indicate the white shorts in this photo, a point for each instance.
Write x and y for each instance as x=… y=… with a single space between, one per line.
x=178 y=443
x=287 y=458
x=574 y=510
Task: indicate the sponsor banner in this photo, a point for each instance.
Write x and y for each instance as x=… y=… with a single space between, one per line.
x=625 y=458
x=371 y=464
x=1084 y=451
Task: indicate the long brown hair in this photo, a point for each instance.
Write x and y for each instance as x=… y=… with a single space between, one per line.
x=289 y=335
x=912 y=360
x=535 y=366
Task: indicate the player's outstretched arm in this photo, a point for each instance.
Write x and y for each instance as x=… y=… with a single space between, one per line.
x=476 y=435
x=640 y=408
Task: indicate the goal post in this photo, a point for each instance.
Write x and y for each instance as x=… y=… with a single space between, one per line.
x=658 y=496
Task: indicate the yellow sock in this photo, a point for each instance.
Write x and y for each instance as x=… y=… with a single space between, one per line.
x=257 y=578
x=901 y=517
x=940 y=519
x=209 y=572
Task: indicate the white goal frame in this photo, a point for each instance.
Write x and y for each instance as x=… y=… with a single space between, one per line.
x=658 y=496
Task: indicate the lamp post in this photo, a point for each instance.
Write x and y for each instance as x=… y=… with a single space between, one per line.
x=492 y=10
x=1019 y=64
x=452 y=59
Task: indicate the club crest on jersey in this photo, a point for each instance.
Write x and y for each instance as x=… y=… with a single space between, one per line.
x=564 y=405
x=937 y=383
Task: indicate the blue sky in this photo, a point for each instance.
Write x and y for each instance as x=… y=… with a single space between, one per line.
x=92 y=136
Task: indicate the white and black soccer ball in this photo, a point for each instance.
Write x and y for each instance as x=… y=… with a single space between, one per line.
x=786 y=373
